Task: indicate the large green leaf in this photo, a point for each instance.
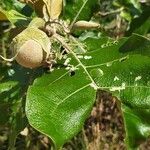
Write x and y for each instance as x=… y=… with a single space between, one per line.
x=124 y=69
x=16 y=18
x=136 y=44
x=59 y=102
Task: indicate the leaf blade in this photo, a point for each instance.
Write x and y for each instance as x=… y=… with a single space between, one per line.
x=66 y=100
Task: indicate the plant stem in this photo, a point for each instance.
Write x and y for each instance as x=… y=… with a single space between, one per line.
x=109 y=13
x=74 y=20
x=3 y=48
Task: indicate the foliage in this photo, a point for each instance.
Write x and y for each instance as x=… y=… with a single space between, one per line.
x=57 y=102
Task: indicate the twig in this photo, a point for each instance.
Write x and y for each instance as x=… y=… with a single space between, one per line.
x=109 y=13
x=9 y=59
x=74 y=20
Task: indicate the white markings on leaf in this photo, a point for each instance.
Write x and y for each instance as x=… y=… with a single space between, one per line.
x=87 y=57
x=124 y=58
x=109 y=43
x=64 y=57
x=67 y=61
x=73 y=68
x=80 y=56
x=93 y=85
x=138 y=78
x=118 y=88
x=116 y=78
x=109 y=64
x=123 y=84
x=11 y=72
x=67 y=68
x=101 y=72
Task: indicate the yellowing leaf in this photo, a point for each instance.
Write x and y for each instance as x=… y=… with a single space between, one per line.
x=2 y=17
x=12 y=15
x=54 y=8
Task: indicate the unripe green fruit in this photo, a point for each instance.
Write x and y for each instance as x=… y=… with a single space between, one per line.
x=31 y=47
x=30 y=54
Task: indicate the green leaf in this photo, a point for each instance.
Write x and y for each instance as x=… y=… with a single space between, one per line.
x=15 y=17
x=6 y=86
x=137 y=125
x=12 y=4
x=126 y=15
x=59 y=102
x=18 y=122
x=124 y=69
x=136 y=44
x=136 y=4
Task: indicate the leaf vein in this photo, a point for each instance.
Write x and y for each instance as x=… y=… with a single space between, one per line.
x=76 y=91
x=109 y=62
